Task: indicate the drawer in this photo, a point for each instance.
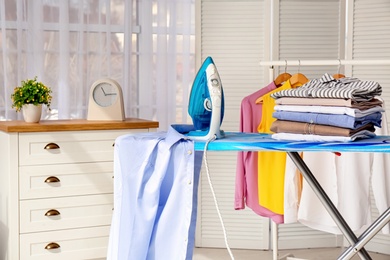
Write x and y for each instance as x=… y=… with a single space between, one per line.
x=74 y=244
x=64 y=213
x=68 y=147
x=47 y=181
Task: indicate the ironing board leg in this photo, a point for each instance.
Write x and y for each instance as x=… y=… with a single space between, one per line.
x=327 y=203
x=369 y=233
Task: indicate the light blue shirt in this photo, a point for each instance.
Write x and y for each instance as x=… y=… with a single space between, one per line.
x=156 y=179
x=344 y=121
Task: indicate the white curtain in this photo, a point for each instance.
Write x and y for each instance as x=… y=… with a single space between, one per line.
x=147 y=46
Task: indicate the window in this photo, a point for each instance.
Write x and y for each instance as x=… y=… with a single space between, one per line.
x=147 y=47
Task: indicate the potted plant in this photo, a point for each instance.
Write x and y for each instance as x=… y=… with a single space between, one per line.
x=29 y=98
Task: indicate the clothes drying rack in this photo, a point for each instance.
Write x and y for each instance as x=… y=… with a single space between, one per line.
x=336 y=62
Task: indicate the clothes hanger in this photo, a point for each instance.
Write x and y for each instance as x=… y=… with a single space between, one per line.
x=278 y=81
x=338 y=75
x=283 y=77
x=298 y=79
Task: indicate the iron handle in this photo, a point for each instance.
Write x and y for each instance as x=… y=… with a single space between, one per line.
x=52 y=246
x=52 y=179
x=51 y=146
x=52 y=212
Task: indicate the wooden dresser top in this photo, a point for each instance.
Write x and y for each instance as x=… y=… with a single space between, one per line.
x=75 y=125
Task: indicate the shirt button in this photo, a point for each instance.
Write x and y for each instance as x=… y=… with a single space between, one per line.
x=189 y=152
x=189 y=182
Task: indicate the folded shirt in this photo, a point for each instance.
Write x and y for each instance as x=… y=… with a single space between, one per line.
x=322 y=138
x=354 y=112
x=338 y=120
x=329 y=87
x=337 y=102
x=282 y=126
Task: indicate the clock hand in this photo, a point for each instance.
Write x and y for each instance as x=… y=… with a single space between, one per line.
x=110 y=94
x=103 y=91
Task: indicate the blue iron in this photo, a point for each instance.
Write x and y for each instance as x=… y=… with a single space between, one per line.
x=206 y=104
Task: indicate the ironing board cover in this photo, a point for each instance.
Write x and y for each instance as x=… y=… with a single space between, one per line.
x=238 y=141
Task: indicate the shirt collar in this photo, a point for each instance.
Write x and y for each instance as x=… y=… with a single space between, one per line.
x=176 y=133
x=327 y=78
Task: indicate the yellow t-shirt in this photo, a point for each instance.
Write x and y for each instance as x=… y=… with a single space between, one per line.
x=271 y=165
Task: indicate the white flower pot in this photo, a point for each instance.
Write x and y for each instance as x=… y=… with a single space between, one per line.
x=32 y=113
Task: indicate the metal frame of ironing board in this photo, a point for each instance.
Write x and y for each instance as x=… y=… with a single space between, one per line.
x=357 y=244
x=263 y=142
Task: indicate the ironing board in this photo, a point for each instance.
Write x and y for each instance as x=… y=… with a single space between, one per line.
x=237 y=141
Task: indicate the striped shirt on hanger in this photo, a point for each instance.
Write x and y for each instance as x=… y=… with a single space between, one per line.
x=329 y=87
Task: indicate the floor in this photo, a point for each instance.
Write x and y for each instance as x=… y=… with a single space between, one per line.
x=310 y=254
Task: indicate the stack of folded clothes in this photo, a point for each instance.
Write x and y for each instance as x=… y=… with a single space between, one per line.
x=327 y=109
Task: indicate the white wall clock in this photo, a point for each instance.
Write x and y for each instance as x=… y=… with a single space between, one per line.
x=106 y=101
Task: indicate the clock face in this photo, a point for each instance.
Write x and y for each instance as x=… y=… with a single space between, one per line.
x=105 y=94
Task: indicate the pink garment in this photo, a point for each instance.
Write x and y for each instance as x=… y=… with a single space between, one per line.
x=246 y=191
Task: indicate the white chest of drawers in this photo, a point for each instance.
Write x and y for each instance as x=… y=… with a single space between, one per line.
x=56 y=188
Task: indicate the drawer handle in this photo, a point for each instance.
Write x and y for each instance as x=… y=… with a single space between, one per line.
x=51 y=146
x=52 y=212
x=52 y=179
x=52 y=246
